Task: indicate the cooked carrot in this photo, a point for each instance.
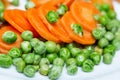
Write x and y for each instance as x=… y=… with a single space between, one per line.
x=68 y=2
x=39 y=26
x=54 y=29
x=3 y=51
x=6 y=46
x=83 y=12
x=19 y=18
x=67 y=20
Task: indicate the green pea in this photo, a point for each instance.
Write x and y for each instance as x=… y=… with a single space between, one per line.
x=88 y=65
x=16 y=61
x=71 y=45
x=52 y=16
x=5 y=60
x=72 y=69
x=103 y=20
x=71 y=61
x=96 y=17
x=64 y=53
x=109 y=49
x=29 y=71
x=98 y=33
x=90 y=48
x=44 y=69
x=113 y=25
x=44 y=61
x=36 y=67
x=77 y=28
x=1 y=17
x=15 y=2
x=26 y=46
x=117 y=34
x=105 y=7
x=98 y=6
x=40 y=48
x=37 y=59
x=116 y=43
x=34 y=41
x=75 y=51
x=51 y=57
x=109 y=36
x=95 y=57
x=55 y=72
x=107 y=58
x=2 y=7
x=62 y=9
x=80 y=58
x=58 y=48
x=58 y=62
x=99 y=50
x=29 y=5
x=24 y=55
x=50 y=46
x=9 y=37
x=111 y=14
x=86 y=52
x=29 y=59
x=103 y=42
x=27 y=35
x=15 y=52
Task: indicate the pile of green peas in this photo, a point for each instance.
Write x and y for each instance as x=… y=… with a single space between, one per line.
x=48 y=58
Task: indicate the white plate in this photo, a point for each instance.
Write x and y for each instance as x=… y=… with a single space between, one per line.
x=101 y=72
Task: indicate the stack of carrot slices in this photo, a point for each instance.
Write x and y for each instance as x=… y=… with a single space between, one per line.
x=34 y=19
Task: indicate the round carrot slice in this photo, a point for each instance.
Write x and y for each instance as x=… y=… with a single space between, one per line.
x=83 y=12
x=67 y=20
x=6 y=46
x=39 y=26
x=54 y=29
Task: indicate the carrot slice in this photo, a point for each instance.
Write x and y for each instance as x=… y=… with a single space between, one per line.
x=54 y=29
x=5 y=46
x=83 y=12
x=39 y=26
x=68 y=2
x=87 y=38
x=20 y=19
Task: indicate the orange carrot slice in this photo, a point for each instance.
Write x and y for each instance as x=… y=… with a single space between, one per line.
x=67 y=20
x=39 y=26
x=83 y=12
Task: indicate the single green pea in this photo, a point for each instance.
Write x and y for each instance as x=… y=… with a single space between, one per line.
x=103 y=42
x=52 y=17
x=64 y=53
x=19 y=63
x=5 y=61
x=9 y=37
x=111 y=14
x=44 y=69
x=26 y=46
x=99 y=50
x=109 y=36
x=29 y=59
x=90 y=48
x=44 y=61
x=71 y=45
x=88 y=65
x=29 y=71
x=96 y=17
x=34 y=41
x=85 y=52
x=109 y=49
x=62 y=9
x=40 y=48
x=37 y=59
x=24 y=55
x=113 y=25
x=98 y=33
x=58 y=62
x=2 y=7
x=15 y=2
x=55 y=72
x=27 y=35
x=80 y=58
x=58 y=48
x=15 y=52
x=72 y=69
x=116 y=43
x=29 y=5
x=75 y=51
x=77 y=28
x=95 y=57
x=36 y=67
x=51 y=57
x=105 y=7
x=107 y=58
x=50 y=46
x=71 y=61
x=103 y=20
x=117 y=34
